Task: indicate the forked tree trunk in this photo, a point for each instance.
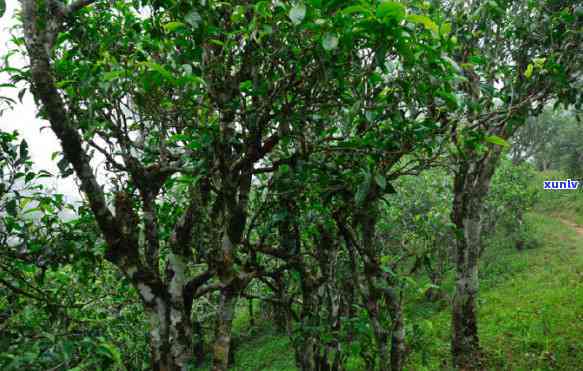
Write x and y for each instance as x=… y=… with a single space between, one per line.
x=170 y=347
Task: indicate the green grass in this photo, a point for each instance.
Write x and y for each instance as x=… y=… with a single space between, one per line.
x=530 y=307
x=535 y=319
x=259 y=347
x=270 y=351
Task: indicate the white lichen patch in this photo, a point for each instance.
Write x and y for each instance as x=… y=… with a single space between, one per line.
x=472 y=228
x=155 y=332
x=181 y=354
x=175 y=317
x=161 y=306
x=146 y=292
x=177 y=283
x=227 y=245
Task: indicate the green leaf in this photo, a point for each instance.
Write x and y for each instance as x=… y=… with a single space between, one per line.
x=279 y=216
x=160 y=69
x=193 y=18
x=187 y=68
x=238 y=14
x=390 y=189
x=528 y=72
x=64 y=83
x=357 y=9
x=2 y=7
x=32 y=210
x=452 y=63
x=297 y=13
x=23 y=151
x=246 y=86
x=497 y=140
x=263 y=8
x=173 y=26
x=11 y=208
x=110 y=351
x=381 y=181
x=445 y=29
x=217 y=42
x=64 y=167
x=391 y=9
x=112 y=75
x=476 y=59
x=330 y=41
x=179 y=137
x=29 y=177
x=363 y=189
x=425 y=21
x=54 y=155
x=539 y=62
x=450 y=99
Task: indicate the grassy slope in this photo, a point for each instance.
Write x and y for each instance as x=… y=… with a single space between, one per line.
x=530 y=307
x=535 y=319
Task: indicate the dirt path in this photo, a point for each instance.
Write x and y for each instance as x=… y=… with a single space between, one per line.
x=576 y=227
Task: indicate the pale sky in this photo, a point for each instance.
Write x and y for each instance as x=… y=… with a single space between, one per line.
x=23 y=117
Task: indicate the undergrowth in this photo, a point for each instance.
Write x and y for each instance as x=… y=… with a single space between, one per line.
x=530 y=311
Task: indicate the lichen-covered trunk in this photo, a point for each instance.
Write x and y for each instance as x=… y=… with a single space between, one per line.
x=223 y=332
x=471 y=185
x=159 y=340
x=170 y=337
x=465 y=341
x=397 y=337
x=180 y=326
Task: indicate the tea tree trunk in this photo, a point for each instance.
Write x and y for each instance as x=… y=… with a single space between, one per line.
x=471 y=185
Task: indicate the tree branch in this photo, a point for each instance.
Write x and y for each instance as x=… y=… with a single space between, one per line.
x=78 y=5
x=44 y=90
